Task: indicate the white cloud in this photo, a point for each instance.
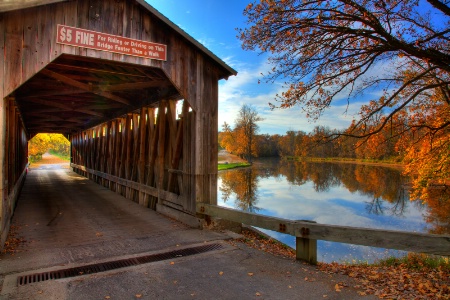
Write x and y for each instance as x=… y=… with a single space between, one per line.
x=244 y=89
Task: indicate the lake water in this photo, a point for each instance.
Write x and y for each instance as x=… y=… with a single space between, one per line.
x=328 y=193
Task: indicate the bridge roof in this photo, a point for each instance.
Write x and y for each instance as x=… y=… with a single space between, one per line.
x=75 y=92
x=10 y=5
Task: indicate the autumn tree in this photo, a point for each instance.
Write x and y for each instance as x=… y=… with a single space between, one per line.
x=38 y=145
x=226 y=138
x=246 y=128
x=43 y=142
x=326 y=51
x=266 y=145
x=59 y=143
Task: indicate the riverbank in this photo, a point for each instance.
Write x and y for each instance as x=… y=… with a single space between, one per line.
x=410 y=278
x=228 y=161
x=381 y=163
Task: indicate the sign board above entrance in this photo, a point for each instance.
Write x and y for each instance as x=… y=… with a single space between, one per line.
x=107 y=42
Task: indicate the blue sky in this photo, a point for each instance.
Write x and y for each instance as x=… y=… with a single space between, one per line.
x=213 y=23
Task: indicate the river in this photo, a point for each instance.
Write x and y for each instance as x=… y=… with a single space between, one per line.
x=329 y=193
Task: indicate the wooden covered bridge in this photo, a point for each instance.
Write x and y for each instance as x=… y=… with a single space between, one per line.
x=136 y=96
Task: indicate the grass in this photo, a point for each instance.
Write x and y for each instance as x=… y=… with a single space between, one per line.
x=417 y=261
x=60 y=155
x=221 y=167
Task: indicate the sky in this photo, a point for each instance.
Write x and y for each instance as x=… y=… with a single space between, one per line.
x=213 y=23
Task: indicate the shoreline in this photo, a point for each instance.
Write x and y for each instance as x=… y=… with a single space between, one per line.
x=348 y=161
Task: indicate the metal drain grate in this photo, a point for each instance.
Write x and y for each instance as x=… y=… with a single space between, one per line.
x=117 y=264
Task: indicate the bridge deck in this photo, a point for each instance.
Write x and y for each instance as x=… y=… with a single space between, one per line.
x=66 y=218
x=69 y=222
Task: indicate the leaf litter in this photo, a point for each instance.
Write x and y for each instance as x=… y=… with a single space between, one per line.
x=386 y=282
x=14 y=242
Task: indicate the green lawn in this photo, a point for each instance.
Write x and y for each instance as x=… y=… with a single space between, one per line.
x=232 y=166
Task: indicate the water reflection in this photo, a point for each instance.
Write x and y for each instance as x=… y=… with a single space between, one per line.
x=332 y=193
x=244 y=185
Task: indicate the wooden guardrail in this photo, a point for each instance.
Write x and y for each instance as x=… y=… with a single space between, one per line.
x=307 y=233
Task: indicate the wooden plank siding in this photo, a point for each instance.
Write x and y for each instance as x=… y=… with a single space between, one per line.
x=15 y=158
x=151 y=156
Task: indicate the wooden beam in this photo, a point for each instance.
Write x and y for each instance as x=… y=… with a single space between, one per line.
x=142 y=144
x=50 y=93
x=134 y=85
x=95 y=70
x=67 y=107
x=22 y=4
x=132 y=184
x=41 y=119
x=408 y=241
x=83 y=86
x=161 y=143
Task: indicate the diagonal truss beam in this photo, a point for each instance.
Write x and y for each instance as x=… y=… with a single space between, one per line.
x=84 y=86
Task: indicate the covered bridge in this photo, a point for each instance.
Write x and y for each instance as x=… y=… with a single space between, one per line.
x=136 y=96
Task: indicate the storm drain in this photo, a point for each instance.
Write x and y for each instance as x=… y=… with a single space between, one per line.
x=117 y=264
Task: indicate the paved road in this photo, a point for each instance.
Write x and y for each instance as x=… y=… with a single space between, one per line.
x=68 y=221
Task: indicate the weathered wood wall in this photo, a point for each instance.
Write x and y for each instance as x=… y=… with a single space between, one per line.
x=15 y=160
x=140 y=156
x=31 y=36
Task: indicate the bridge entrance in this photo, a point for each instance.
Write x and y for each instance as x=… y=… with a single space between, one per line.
x=136 y=96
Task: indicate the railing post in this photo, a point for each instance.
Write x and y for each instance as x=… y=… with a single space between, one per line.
x=306 y=250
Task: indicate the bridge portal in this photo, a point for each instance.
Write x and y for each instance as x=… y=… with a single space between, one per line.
x=136 y=96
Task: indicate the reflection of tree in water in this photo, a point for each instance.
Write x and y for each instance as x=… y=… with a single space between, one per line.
x=398 y=205
x=375 y=207
x=438 y=214
x=385 y=186
x=244 y=184
x=322 y=175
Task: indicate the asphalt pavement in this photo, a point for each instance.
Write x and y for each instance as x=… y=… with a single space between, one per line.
x=69 y=224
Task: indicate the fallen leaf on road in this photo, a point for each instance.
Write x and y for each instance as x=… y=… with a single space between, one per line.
x=250 y=274
x=337 y=287
x=220 y=273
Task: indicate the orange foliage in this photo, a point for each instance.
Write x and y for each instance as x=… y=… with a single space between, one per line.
x=325 y=50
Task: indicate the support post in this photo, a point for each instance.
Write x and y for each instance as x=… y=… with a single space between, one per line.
x=306 y=250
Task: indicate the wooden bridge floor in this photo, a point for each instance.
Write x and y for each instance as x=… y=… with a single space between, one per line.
x=65 y=218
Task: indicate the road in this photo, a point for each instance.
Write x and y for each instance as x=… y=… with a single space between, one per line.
x=67 y=221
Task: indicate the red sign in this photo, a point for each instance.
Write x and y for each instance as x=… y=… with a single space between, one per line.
x=107 y=42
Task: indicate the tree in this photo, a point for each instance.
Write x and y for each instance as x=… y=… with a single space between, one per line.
x=42 y=142
x=331 y=50
x=38 y=145
x=59 y=143
x=246 y=129
x=226 y=138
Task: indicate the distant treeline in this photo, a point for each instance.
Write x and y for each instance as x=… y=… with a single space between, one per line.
x=322 y=142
